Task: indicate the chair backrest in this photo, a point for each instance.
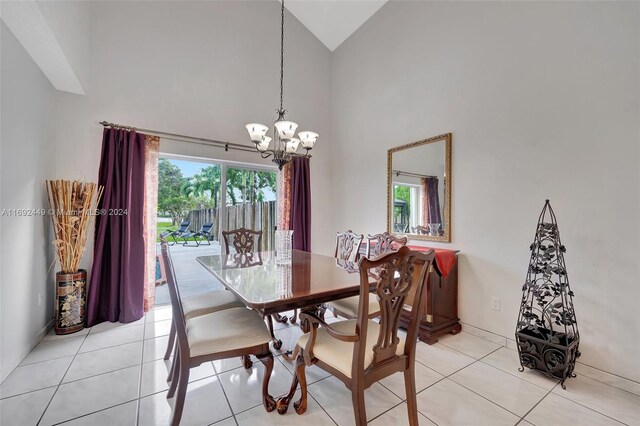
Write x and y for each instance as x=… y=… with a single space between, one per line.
x=243 y=240
x=348 y=246
x=174 y=295
x=384 y=243
x=206 y=228
x=395 y=279
x=419 y=229
x=184 y=226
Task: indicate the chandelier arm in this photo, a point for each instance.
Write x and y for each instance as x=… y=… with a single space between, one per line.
x=266 y=154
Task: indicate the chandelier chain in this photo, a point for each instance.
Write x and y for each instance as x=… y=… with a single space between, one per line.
x=281 y=55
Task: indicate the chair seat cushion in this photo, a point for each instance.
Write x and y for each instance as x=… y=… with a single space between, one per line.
x=226 y=330
x=206 y=303
x=339 y=354
x=349 y=306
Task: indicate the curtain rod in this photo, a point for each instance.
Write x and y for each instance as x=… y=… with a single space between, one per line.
x=183 y=138
x=401 y=173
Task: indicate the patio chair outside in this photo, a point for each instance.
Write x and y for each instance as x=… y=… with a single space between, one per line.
x=205 y=231
x=174 y=234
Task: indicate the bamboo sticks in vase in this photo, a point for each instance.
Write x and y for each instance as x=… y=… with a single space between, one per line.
x=73 y=206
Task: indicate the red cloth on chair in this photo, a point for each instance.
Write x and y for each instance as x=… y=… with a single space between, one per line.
x=445 y=259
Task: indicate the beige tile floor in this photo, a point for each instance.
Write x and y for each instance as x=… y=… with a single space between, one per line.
x=113 y=374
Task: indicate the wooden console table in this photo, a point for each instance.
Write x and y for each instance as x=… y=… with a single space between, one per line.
x=440 y=314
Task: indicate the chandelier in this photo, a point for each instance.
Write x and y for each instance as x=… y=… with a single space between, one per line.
x=285 y=145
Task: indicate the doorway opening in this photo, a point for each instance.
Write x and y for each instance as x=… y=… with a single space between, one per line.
x=200 y=198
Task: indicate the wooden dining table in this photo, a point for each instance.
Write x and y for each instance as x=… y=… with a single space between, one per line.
x=268 y=287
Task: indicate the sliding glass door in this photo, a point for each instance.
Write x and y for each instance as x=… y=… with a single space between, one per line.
x=251 y=201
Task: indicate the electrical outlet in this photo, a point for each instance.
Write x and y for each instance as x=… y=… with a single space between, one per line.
x=495 y=303
x=40 y=299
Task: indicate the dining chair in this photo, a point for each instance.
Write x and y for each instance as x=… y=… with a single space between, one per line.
x=376 y=245
x=419 y=229
x=202 y=304
x=243 y=241
x=219 y=335
x=360 y=352
x=348 y=246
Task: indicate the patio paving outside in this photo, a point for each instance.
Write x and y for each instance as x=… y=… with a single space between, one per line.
x=191 y=276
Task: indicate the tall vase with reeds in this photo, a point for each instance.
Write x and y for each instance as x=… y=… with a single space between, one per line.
x=73 y=206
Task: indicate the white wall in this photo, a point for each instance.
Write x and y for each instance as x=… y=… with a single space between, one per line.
x=69 y=22
x=202 y=69
x=26 y=153
x=543 y=102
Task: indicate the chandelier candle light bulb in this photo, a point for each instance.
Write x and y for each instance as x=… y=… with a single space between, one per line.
x=257 y=131
x=292 y=145
x=308 y=139
x=264 y=144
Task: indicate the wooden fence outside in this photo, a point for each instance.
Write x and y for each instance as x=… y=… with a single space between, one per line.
x=256 y=216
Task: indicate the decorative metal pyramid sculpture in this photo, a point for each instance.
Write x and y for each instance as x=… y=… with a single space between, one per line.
x=547 y=331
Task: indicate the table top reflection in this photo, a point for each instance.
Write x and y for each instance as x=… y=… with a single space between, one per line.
x=264 y=284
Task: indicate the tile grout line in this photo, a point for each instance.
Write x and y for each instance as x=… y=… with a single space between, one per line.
x=477 y=359
x=482 y=396
x=606 y=372
x=589 y=408
x=517 y=376
x=140 y=382
x=94 y=412
x=233 y=414
x=24 y=393
x=62 y=378
x=126 y=402
x=321 y=407
x=536 y=404
x=402 y=401
x=470 y=390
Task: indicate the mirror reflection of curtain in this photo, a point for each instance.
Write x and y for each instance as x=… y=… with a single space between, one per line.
x=430 y=201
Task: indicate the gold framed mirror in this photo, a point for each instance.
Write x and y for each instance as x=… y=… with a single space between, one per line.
x=419 y=189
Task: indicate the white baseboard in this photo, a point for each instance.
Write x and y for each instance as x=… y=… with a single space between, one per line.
x=8 y=367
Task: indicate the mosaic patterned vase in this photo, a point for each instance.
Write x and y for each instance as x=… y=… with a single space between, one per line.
x=70 y=302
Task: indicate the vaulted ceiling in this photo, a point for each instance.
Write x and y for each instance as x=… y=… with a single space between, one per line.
x=333 y=21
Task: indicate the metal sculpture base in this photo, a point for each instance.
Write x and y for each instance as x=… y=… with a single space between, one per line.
x=556 y=360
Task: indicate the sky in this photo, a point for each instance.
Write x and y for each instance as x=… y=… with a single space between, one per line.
x=189 y=168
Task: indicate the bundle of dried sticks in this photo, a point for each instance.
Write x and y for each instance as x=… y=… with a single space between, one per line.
x=72 y=209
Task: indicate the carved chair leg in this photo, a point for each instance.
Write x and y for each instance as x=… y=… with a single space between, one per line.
x=410 y=389
x=357 y=396
x=175 y=374
x=267 y=400
x=294 y=318
x=301 y=404
x=282 y=319
x=183 y=382
x=172 y=339
x=246 y=361
x=277 y=344
x=283 y=402
x=291 y=356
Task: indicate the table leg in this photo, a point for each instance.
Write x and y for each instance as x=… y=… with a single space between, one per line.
x=277 y=343
x=282 y=319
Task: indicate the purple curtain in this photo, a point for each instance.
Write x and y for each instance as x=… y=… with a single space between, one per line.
x=433 y=200
x=116 y=289
x=300 y=203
